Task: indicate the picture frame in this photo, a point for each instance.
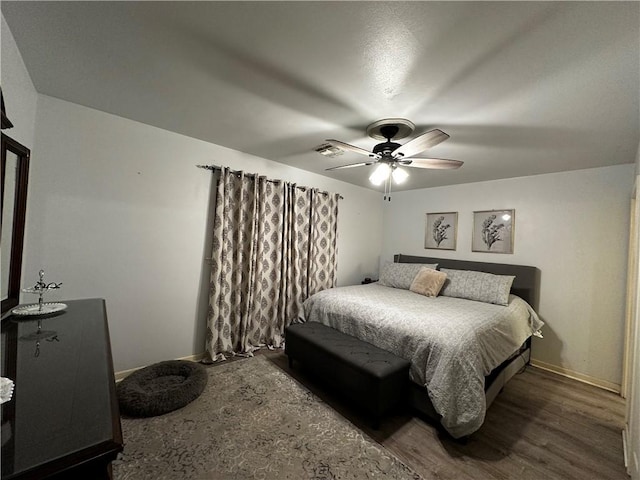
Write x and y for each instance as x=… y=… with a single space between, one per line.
x=441 y=230
x=493 y=231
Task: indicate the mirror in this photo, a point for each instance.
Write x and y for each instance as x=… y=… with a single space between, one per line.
x=15 y=172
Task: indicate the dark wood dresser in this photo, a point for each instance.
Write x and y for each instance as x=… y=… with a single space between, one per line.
x=63 y=419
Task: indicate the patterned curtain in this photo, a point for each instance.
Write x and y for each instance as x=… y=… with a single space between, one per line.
x=274 y=245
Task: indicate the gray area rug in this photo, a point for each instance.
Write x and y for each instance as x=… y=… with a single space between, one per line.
x=252 y=421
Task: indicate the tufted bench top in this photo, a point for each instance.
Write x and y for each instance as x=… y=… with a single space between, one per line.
x=364 y=356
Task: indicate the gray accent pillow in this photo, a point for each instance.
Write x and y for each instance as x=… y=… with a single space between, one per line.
x=479 y=286
x=401 y=275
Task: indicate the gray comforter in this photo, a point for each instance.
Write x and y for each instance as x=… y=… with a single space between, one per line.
x=451 y=343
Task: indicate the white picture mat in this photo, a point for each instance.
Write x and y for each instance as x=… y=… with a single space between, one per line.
x=493 y=231
x=441 y=230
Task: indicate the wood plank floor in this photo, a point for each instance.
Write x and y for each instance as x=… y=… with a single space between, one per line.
x=542 y=426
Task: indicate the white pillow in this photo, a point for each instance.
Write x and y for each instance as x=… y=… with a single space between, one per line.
x=400 y=275
x=479 y=286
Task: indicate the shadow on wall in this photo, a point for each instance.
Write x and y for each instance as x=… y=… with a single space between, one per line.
x=200 y=322
x=551 y=344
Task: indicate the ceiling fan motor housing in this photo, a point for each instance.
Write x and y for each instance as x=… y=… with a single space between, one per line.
x=385 y=148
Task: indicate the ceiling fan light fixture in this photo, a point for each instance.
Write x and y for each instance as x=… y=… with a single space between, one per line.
x=389 y=155
x=399 y=175
x=380 y=174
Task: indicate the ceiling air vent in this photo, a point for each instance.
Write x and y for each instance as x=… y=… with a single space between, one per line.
x=328 y=150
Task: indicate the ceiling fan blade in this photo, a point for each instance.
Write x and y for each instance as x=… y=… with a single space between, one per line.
x=350 y=148
x=351 y=165
x=420 y=143
x=435 y=163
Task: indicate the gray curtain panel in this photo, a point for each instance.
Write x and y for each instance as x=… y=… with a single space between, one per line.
x=274 y=245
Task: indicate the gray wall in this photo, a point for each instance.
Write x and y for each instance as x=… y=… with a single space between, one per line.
x=119 y=210
x=574 y=227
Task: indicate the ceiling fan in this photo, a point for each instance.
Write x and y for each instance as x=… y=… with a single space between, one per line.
x=390 y=156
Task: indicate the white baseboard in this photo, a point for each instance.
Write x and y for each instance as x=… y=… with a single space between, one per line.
x=581 y=377
x=625 y=450
x=631 y=461
x=125 y=373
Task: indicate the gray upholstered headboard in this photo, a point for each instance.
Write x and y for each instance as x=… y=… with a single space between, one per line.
x=526 y=284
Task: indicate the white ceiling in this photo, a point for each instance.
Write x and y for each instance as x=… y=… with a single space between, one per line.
x=523 y=88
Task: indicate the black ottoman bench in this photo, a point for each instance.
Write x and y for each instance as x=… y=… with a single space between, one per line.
x=373 y=378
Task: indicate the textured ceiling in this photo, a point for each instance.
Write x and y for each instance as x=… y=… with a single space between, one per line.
x=522 y=88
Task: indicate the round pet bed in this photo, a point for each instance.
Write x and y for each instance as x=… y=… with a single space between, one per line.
x=161 y=388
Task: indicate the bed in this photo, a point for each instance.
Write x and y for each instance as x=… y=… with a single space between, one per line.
x=462 y=352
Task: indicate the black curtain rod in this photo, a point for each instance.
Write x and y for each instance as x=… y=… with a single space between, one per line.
x=252 y=175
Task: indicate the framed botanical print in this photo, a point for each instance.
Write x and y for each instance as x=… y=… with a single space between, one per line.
x=493 y=231
x=441 y=231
